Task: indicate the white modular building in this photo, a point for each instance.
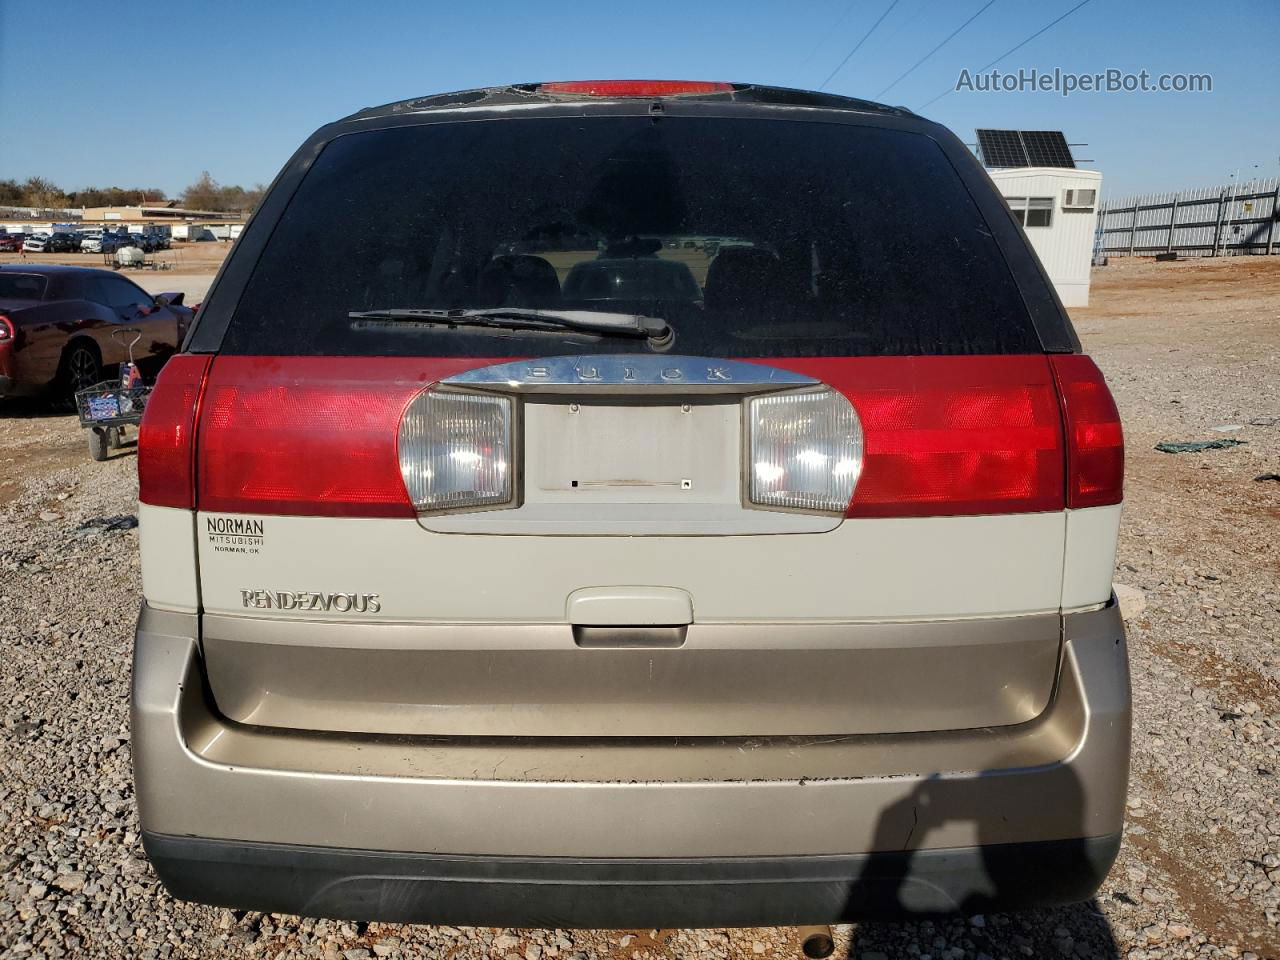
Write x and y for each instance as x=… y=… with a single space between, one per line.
x=1058 y=209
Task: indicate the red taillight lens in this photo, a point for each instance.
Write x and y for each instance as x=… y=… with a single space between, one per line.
x=1095 y=439
x=635 y=88
x=166 y=439
x=952 y=436
x=309 y=436
x=6 y=328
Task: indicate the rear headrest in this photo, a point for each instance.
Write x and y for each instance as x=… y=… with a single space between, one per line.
x=742 y=279
x=519 y=280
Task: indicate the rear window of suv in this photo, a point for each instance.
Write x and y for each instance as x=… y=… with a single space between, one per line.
x=749 y=237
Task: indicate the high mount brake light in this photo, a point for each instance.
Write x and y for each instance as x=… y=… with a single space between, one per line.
x=635 y=88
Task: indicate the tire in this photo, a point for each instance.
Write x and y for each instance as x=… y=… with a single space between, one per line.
x=81 y=369
x=115 y=437
x=99 y=443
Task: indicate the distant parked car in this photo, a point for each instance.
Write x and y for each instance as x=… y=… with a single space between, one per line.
x=39 y=243
x=146 y=242
x=56 y=324
x=11 y=242
x=62 y=243
x=101 y=243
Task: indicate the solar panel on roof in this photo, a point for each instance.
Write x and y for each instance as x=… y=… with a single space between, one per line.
x=1024 y=148
x=1001 y=148
x=1047 y=148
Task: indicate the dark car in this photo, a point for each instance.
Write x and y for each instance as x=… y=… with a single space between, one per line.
x=63 y=243
x=56 y=325
x=147 y=242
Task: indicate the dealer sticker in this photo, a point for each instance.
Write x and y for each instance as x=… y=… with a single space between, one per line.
x=235 y=534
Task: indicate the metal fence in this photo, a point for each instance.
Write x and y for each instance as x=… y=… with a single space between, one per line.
x=1210 y=222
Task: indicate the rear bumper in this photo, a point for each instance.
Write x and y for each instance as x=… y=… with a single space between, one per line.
x=631 y=833
x=631 y=893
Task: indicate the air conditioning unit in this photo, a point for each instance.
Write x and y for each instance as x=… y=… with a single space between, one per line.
x=1079 y=199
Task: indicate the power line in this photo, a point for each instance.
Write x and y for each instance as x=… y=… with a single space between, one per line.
x=826 y=34
x=1012 y=50
x=935 y=49
x=850 y=54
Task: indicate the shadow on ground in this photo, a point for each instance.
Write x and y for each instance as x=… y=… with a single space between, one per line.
x=33 y=408
x=996 y=891
x=1078 y=930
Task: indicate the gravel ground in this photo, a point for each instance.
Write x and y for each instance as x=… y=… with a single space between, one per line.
x=1188 y=347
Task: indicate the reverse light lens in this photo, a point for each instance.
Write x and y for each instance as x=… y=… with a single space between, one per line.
x=456 y=451
x=805 y=450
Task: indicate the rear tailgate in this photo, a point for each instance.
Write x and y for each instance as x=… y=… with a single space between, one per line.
x=630 y=559
x=330 y=605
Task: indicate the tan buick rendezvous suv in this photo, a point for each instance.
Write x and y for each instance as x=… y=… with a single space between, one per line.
x=631 y=504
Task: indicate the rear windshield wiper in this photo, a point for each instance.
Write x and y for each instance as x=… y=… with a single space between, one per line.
x=521 y=318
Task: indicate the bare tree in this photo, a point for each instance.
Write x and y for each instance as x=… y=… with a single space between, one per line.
x=39 y=192
x=11 y=193
x=204 y=194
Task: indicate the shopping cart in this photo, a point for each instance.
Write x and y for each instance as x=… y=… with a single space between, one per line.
x=107 y=408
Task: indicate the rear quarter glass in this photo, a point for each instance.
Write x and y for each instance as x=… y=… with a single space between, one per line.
x=781 y=239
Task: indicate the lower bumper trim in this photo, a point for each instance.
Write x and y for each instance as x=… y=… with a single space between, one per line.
x=627 y=893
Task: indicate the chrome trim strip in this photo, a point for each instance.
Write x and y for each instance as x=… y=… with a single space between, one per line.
x=625 y=372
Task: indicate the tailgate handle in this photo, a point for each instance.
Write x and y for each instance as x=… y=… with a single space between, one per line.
x=617 y=638
x=630 y=607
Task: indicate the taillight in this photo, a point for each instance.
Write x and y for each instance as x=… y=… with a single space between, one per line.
x=1095 y=439
x=805 y=450
x=166 y=438
x=310 y=436
x=635 y=88
x=6 y=328
x=951 y=436
x=303 y=436
x=456 y=451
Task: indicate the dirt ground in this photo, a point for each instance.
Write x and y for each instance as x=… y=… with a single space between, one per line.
x=1192 y=352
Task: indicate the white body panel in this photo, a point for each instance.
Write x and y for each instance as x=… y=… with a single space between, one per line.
x=1091 y=556
x=166 y=536
x=865 y=570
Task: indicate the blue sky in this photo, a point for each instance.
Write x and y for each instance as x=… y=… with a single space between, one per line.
x=150 y=93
